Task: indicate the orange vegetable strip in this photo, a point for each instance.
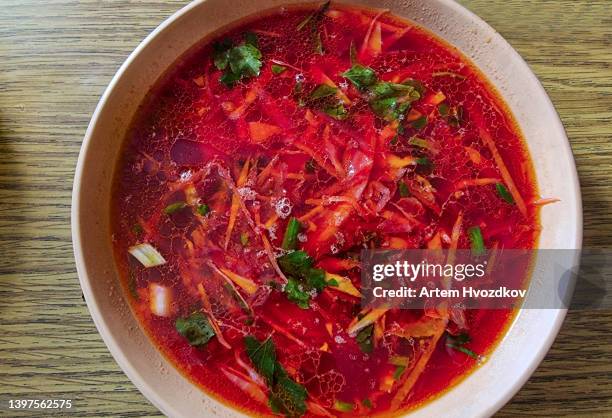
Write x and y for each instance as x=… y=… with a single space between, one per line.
x=211 y=317
x=245 y=384
x=464 y=184
x=265 y=173
x=310 y=213
x=323 y=163
x=545 y=201
x=245 y=283
x=366 y=39
x=318 y=410
x=415 y=373
x=505 y=173
x=368 y=319
x=236 y=202
x=284 y=332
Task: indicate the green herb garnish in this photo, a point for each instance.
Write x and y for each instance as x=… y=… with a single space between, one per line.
x=286 y=395
x=392 y=100
x=203 y=209
x=291 y=233
x=364 y=339
x=504 y=193
x=174 y=207
x=251 y=39
x=296 y=293
x=303 y=278
x=362 y=77
x=237 y=62
x=458 y=343
x=399 y=370
x=367 y=403
x=337 y=112
x=476 y=239
x=195 y=328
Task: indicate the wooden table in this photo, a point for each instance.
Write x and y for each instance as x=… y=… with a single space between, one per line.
x=56 y=57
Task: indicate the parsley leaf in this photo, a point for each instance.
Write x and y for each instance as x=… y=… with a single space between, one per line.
x=295 y=293
x=361 y=76
x=174 y=207
x=195 y=328
x=364 y=339
x=237 y=62
x=337 y=112
x=286 y=395
x=392 y=100
x=302 y=277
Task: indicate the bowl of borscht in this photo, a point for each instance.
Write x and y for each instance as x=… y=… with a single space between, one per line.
x=245 y=156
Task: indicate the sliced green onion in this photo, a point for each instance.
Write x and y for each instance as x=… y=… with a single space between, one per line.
x=147 y=255
x=504 y=193
x=464 y=350
x=343 y=406
x=291 y=233
x=174 y=207
x=476 y=239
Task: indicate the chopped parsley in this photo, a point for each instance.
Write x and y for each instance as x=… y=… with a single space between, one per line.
x=364 y=339
x=195 y=328
x=476 y=239
x=237 y=62
x=286 y=395
x=323 y=90
x=291 y=233
x=302 y=277
x=203 y=209
x=362 y=77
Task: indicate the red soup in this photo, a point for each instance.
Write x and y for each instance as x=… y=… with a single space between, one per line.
x=259 y=167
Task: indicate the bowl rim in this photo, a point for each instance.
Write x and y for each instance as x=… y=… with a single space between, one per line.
x=103 y=327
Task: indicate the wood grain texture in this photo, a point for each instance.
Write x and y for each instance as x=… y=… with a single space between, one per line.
x=56 y=57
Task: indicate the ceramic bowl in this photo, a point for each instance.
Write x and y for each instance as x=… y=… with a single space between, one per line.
x=480 y=394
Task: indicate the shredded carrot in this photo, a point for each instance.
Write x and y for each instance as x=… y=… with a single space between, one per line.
x=249 y=98
x=236 y=202
x=314 y=211
x=368 y=319
x=375 y=41
x=415 y=373
x=464 y=184
x=435 y=242
x=211 y=317
x=320 y=161
x=246 y=284
x=284 y=332
x=261 y=131
x=366 y=40
x=505 y=173
x=545 y=201
x=317 y=409
x=413 y=115
x=474 y=155
x=244 y=383
x=456 y=233
x=397 y=162
x=344 y=284
x=435 y=99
